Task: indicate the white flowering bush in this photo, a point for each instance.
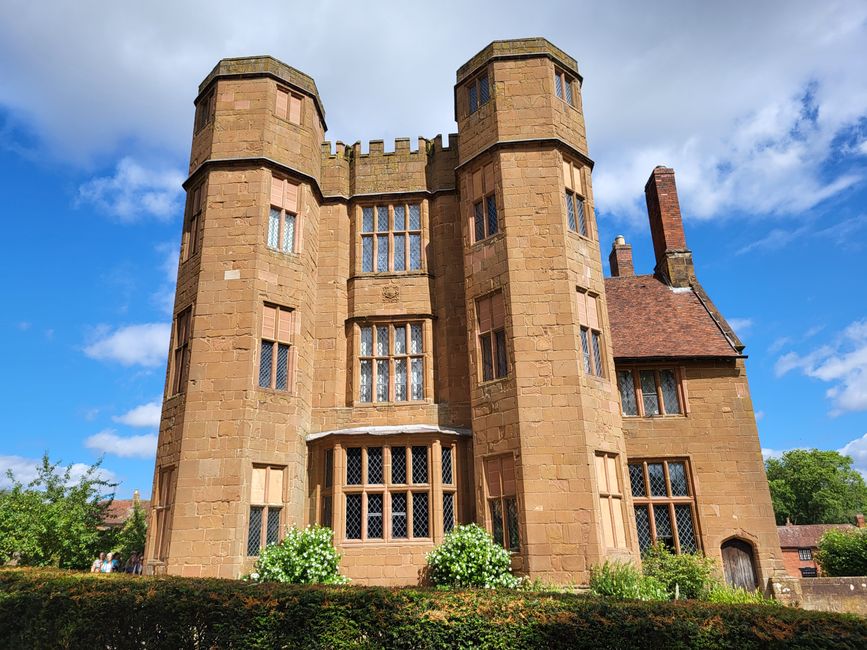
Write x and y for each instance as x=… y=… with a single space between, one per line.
x=469 y=557
x=304 y=557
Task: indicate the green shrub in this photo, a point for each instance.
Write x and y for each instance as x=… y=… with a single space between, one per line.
x=843 y=552
x=687 y=575
x=304 y=557
x=726 y=595
x=624 y=582
x=469 y=557
x=42 y=608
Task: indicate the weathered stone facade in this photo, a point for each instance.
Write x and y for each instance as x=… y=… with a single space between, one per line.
x=395 y=343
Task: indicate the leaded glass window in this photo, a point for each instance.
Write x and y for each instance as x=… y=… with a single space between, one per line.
x=254 y=534
x=664 y=508
x=648 y=392
x=374 y=465
x=353 y=516
x=419 y=465
x=397 y=370
x=448 y=511
x=391 y=238
x=353 y=466
x=447 y=465
x=420 y=524
x=398 y=515
x=374 y=516
x=478 y=93
x=275 y=353
x=282 y=217
x=266 y=507
x=273 y=529
x=398 y=465
x=627 y=392
x=656 y=392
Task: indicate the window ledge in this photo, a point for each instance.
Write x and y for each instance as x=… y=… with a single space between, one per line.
x=409 y=402
x=373 y=275
x=494 y=382
x=488 y=240
x=579 y=236
x=290 y=254
x=275 y=391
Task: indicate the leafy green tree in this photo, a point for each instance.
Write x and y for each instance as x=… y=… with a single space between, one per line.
x=131 y=537
x=54 y=519
x=810 y=486
x=843 y=552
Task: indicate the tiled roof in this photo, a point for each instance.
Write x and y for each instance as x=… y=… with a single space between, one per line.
x=650 y=319
x=806 y=536
x=120 y=509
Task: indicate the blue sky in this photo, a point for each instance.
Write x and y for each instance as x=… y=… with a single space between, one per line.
x=761 y=110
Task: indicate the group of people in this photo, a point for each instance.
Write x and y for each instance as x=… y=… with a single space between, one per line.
x=111 y=563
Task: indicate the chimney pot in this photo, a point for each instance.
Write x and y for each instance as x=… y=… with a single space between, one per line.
x=620 y=258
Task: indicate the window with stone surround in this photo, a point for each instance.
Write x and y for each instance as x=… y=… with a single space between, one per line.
x=576 y=213
x=288 y=105
x=387 y=491
x=491 y=324
x=610 y=500
x=590 y=333
x=283 y=221
x=266 y=507
x=391 y=362
x=564 y=87
x=190 y=245
x=391 y=238
x=484 y=221
x=502 y=501
x=478 y=92
x=664 y=504
x=276 y=351
x=648 y=392
x=205 y=110
x=163 y=511
x=805 y=554
x=181 y=351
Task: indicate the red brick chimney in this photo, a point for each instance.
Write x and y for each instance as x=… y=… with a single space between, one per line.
x=620 y=258
x=673 y=258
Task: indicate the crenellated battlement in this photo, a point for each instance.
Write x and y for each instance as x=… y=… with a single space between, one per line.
x=368 y=168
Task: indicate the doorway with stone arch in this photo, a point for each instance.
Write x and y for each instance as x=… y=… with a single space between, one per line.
x=739 y=564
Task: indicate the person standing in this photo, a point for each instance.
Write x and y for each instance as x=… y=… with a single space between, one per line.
x=107 y=563
x=96 y=567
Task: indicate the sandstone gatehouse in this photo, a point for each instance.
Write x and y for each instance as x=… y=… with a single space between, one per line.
x=394 y=343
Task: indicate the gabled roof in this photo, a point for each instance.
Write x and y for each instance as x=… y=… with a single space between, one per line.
x=120 y=509
x=649 y=319
x=806 y=536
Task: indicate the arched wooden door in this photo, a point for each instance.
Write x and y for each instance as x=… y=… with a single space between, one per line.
x=739 y=565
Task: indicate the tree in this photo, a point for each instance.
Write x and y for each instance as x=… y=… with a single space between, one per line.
x=131 y=538
x=843 y=552
x=54 y=519
x=809 y=486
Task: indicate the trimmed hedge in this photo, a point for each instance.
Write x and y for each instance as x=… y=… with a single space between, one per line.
x=56 y=609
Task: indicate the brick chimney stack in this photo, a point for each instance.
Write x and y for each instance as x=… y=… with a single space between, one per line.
x=673 y=258
x=620 y=258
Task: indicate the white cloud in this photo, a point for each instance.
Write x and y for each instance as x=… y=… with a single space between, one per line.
x=145 y=344
x=745 y=110
x=24 y=470
x=842 y=363
x=144 y=415
x=767 y=452
x=108 y=442
x=760 y=415
x=740 y=325
x=135 y=192
x=164 y=297
x=857 y=449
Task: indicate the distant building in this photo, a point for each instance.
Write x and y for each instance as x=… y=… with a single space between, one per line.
x=394 y=343
x=799 y=544
x=120 y=510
